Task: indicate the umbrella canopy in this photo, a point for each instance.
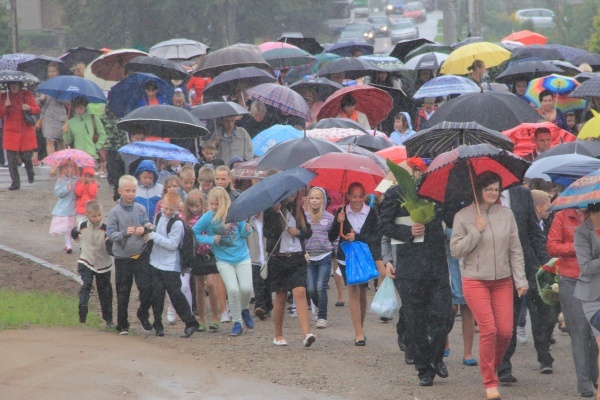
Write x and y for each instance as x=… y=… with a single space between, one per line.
x=287 y=57
x=272 y=136
x=228 y=82
x=583 y=192
x=591 y=129
x=126 y=95
x=568 y=68
x=369 y=142
x=293 y=153
x=281 y=97
x=583 y=147
x=268 y=192
x=307 y=43
x=352 y=67
x=460 y=59
x=7 y=75
x=588 y=89
x=538 y=167
x=526 y=37
x=384 y=63
x=335 y=134
x=448 y=177
x=431 y=60
x=567 y=52
x=218 y=109
x=466 y=41
x=354 y=149
x=323 y=87
x=373 y=102
x=164 y=69
x=247 y=170
x=445 y=85
x=111 y=66
x=81 y=158
x=101 y=83
x=80 y=55
x=428 y=48
x=403 y=47
x=178 y=49
x=337 y=171
x=401 y=102
x=229 y=58
x=395 y=154
x=38 y=66
x=11 y=61
x=347 y=49
x=526 y=70
x=590 y=58
x=568 y=173
x=582 y=77
x=537 y=51
x=163 y=121
x=265 y=46
x=66 y=88
x=494 y=110
x=522 y=136
x=343 y=123
x=158 y=149
x=561 y=86
x=450 y=135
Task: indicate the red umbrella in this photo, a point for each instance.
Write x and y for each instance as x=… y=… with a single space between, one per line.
x=375 y=103
x=526 y=37
x=395 y=154
x=522 y=136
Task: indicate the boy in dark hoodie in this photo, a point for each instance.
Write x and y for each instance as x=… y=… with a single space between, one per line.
x=149 y=191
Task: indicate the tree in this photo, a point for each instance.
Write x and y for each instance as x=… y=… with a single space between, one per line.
x=5 y=31
x=594 y=46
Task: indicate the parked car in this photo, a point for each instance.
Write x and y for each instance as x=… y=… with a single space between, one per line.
x=394 y=7
x=416 y=11
x=361 y=8
x=541 y=17
x=403 y=29
x=358 y=32
x=381 y=24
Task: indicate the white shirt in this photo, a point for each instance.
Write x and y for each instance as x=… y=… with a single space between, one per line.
x=289 y=243
x=259 y=230
x=505 y=198
x=357 y=220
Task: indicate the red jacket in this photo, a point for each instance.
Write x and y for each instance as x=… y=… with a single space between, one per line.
x=197 y=83
x=84 y=193
x=18 y=136
x=561 y=242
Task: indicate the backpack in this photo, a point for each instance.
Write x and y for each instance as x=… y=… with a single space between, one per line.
x=188 y=245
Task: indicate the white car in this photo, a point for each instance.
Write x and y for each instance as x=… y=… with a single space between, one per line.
x=541 y=17
x=403 y=29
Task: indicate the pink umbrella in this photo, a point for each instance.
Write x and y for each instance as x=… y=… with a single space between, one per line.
x=81 y=158
x=266 y=46
x=335 y=134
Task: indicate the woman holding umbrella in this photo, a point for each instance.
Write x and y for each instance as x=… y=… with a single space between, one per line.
x=348 y=105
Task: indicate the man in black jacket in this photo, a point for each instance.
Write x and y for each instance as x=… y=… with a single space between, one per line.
x=421 y=278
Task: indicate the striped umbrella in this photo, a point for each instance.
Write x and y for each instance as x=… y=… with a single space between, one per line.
x=281 y=97
x=335 y=134
x=589 y=88
x=444 y=85
x=580 y=194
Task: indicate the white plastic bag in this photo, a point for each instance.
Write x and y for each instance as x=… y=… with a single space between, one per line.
x=385 y=303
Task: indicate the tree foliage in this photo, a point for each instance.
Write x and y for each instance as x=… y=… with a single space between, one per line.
x=5 y=31
x=594 y=46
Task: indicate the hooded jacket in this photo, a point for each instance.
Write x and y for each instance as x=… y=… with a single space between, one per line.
x=81 y=134
x=148 y=196
x=85 y=191
x=398 y=138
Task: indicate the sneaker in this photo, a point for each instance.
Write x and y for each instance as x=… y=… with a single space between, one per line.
x=521 y=335
x=322 y=324
x=247 y=319
x=123 y=332
x=171 y=317
x=146 y=325
x=293 y=313
x=237 y=329
x=260 y=313
x=226 y=316
x=309 y=340
x=110 y=325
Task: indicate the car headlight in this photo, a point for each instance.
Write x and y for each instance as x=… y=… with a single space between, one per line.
x=384 y=28
x=390 y=7
x=370 y=35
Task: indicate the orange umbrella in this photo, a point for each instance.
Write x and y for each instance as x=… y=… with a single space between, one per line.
x=396 y=154
x=522 y=136
x=526 y=37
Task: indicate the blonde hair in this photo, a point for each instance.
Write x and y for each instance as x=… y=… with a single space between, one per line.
x=257 y=107
x=186 y=172
x=209 y=145
x=540 y=197
x=222 y=197
x=206 y=174
x=223 y=168
x=93 y=206
x=194 y=198
x=171 y=200
x=170 y=179
x=65 y=165
x=316 y=215
x=127 y=180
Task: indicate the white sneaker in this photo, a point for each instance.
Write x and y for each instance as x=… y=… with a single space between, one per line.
x=521 y=335
x=226 y=316
x=322 y=324
x=171 y=317
x=293 y=313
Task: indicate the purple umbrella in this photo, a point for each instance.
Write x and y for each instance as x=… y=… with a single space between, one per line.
x=281 y=97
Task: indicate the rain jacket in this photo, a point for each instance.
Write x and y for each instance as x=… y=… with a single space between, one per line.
x=561 y=242
x=148 y=196
x=65 y=206
x=18 y=136
x=397 y=137
x=81 y=133
x=85 y=192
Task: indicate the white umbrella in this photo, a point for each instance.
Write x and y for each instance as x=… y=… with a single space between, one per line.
x=178 y=49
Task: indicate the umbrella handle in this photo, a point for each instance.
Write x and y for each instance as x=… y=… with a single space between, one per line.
x=342 y=224
x=473 y=187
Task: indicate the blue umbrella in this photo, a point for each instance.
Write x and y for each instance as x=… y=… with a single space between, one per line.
x=268 y=192
x=568 y=173
x=125 y=96
x=268 y=138
x=158 y=149
x=66 y=88
x=538 y=167
x=346 y=49
x=445 y=85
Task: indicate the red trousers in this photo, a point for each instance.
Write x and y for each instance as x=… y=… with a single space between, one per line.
x=492 y=305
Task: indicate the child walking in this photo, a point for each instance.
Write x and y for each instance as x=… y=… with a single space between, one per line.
x=173 y=185
x=63 y=214
x=86 y=189
x=228 y=243
x=94 y=262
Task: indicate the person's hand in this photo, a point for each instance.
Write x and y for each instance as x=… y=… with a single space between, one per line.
x=277 y=207
x=130 y=230
x=293 y=231
x=7 y=101
x=146 y=238
x=307 y=257
x=305 y=203
x=149 y=225
x=217 y=141
x=68 y=186
x=248 y=227
x=390 y=270
x=351 y=236
x=341 y=216
x=522 y=291
x=139 y=231
x=42 y=97
x=217 y=239
x=25 y=107
x=417 y=230
x=480 y=223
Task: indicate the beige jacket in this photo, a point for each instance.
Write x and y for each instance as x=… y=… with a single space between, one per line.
x=493 y=254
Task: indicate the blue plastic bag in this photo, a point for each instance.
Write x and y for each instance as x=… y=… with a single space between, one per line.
x=360 y=267
x=385 y=303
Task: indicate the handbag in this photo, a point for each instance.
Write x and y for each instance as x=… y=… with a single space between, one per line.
x=264 y=270
x=29 y=118
x=360 y=267
x=385 y=302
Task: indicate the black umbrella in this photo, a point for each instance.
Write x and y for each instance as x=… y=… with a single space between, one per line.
x=583 y=147
x=225 y=83
x=370 y=142
x=39 y=66
x=352 y=67
x=343 y=123
x=428 y=48
x=499 y=111
x=8 y=75
x=584 y=76
x=218 y=109
x=164 y=121
x=347 y=49
x=591 y=58
x=431 y=60
x=401 y=103
x=449 y=135
x=402 y=48
x=229 y=58
x=308 y=43
x=77 y=55
x=164 y=69
x=465 y=41
x=589 y=88
x=527 y=70
x=293 y=153
x=322 y=86
x=538 y=51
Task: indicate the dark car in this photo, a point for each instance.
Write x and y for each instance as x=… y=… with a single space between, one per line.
x=381 y=24
x=358 y=32
x=394 y=7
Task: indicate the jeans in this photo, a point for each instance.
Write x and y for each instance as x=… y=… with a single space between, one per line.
x=126 y=269
x=238 y=282
x=317 y=277
x=103 y=286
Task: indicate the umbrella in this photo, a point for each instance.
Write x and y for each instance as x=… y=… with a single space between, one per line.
x=369 y=142
x=281 y=97
x=287 y=57
x=347 y=49
x=460 y=59
x=522 y=136
x=526 y=70
x=11 y=61
x=343 y=123
x=178 y=49
x=538 y=51
x=337 y=171
x=101 y=83
x=7 y=75
x=322 y=86
x=38 y=66
x=466 y=41
x=401 y=103
x=561 y=86
x=568 y=68
x=354 y=149
x=80 y=55
x=566 y=174
x=272 y=136
x=373 y=102
x=584 y=76
x=164 y=69
x=352 y=67
x=428 y=48
x=228 y=83
x=589 y=88
x=449 y=177
x=431 y=60
x=494 y=110
x=218 y=109
x=402 y=48
x=526 y=37
x=538 y=167
x=384 y=63
x=307 y=43
x=445 y=85
x=293 y=153
x=567 y=52
x=111 y=66
x=81 y=158
x=334 y=134
x=158 y=149
x=591 y=129
x=163 y=121
x=66 y=88
x=590 y=58
x=395 y=154
x=229 y=58
x=125 y=96
x=268 y=192
x=449 y=135
x=247 y=170
x=265 y=46
x=583 y=147
x=583 y=192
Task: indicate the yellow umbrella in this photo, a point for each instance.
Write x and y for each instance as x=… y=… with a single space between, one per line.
x=460 y=59
x=591 y=129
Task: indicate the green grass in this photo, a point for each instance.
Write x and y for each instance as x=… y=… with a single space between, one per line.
x=24 y=309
